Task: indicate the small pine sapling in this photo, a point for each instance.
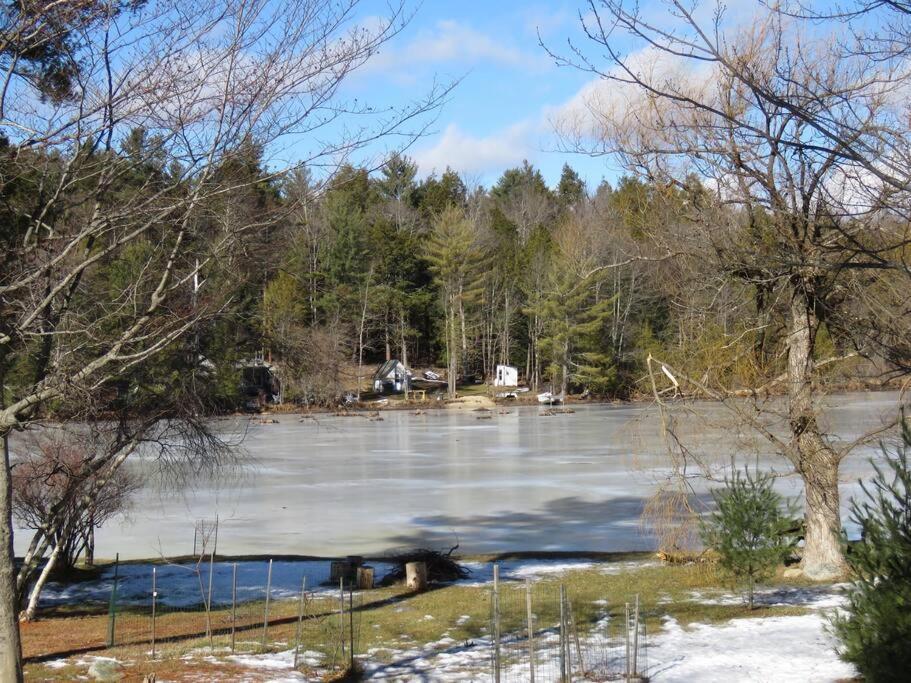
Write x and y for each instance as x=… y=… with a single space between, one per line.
x=751 y=528
x=875 y=626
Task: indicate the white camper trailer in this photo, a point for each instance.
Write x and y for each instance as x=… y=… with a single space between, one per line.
x=506 y=376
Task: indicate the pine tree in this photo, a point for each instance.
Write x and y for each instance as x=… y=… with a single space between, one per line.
x=875 y=628
x=749 y=528
x=573 y=318
x=571 y=188
x=573 y=307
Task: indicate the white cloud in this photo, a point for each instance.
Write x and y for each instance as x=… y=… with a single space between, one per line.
x=471 y=154
x=454 y=42
x=584 y=113
x=579 y=117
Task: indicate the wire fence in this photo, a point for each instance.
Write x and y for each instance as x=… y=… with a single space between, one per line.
x=538 y=635
x=239 y=608
x=535 y=632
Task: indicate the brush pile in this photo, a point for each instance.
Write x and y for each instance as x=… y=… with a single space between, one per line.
x=441 y=566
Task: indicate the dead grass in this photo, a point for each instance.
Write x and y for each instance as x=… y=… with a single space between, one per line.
x=391 y=619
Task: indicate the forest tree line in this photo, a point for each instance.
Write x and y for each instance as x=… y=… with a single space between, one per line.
x=574 y=286
x=437 y=273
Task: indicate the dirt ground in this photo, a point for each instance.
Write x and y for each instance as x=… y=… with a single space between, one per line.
x=471 y=403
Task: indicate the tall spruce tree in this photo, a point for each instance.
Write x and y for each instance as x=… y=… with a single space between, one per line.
x=875 y=628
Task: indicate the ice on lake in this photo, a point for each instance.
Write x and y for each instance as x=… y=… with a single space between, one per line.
x=334 y=486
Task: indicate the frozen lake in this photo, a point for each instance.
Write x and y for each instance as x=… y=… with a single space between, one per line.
x=518 y=481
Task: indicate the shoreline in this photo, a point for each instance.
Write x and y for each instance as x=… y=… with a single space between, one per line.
x=603 y=556
x=462 y=402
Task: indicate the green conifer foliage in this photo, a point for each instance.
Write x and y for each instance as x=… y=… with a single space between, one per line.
x=875 y=628
x=749 y=528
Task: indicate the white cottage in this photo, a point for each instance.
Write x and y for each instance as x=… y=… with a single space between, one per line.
x=506 y=376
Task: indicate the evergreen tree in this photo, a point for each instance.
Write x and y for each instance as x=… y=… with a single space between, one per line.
x=396 y=181
x=346 y=257
x=434 y=195
x=749 y=528
x=875 y=628
x=571 y=188
x=457 y=264
x=573 y=315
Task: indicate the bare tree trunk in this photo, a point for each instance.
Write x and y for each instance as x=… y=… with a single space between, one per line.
x=10 y=646
x=360 y=338
x=507 y=316
x=404 y=341
x=453 y=357
x=817 y=463
x=33 y=597
x=90 y=543
x=564 y=377
x=462 y=332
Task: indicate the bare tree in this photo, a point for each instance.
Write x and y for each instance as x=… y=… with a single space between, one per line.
x=50 y=482
x=769 y=201
x=122 y=127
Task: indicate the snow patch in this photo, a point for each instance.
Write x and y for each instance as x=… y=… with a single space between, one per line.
x=779 y=649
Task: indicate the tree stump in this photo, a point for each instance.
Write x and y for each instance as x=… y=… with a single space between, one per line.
x=364 y=578
x=416 y=576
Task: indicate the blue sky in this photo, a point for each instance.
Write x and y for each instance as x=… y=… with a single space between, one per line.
x=511 y=92
x=501 y=111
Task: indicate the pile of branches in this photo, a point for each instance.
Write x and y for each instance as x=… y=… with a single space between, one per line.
x=442 y=567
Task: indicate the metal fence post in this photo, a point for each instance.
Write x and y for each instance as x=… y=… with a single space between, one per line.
x=530 y=620
x=626 y=631
x=266 y=611
x=233 y=605
x=496 y=623
x=300 y=622
x=341 y=613
x=209 y=596
x=154 y=600
x=580 y=662
x=112 y=606
x=351 y=628
x=636 y=639
x=563 y=638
